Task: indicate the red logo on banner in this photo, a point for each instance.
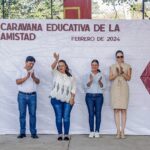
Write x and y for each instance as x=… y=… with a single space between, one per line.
x=145 y=77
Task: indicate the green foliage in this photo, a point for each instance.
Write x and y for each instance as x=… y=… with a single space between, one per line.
x=136 y=7
x=119 y=2
x=42 y=9
x=32 y=8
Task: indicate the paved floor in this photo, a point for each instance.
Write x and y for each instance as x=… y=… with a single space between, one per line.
x=77 y=142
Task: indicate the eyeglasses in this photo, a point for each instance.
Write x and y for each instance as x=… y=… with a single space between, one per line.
x=120 y=56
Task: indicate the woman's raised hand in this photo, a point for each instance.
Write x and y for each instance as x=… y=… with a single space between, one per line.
x=56 y=56
x=54 y=64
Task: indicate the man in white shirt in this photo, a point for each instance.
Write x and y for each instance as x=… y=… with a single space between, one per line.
x=27 y=81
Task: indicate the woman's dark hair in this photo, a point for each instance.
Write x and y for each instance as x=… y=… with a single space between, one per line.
x=67 y=68
x=119 y=51
x=97 y=62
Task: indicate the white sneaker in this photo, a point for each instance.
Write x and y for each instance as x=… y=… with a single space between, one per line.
x=91 y=135
x=97 y=135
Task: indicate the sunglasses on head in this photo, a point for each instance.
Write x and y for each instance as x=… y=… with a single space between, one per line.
x=120 y=56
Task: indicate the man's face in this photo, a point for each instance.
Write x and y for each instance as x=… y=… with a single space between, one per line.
x=29 y=65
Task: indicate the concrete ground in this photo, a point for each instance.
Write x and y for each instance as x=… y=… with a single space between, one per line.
x=77 y=142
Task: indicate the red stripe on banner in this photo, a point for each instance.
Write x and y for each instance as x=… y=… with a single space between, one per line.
x=77 y=9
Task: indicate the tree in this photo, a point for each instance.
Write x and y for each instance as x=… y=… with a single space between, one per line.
x=115 y=3
x=32 y=8
x=132 y=4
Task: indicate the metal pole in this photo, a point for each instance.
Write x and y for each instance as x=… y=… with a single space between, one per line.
x=9 y=8
x=51 y=9
x=143 y=9
x=3 y=8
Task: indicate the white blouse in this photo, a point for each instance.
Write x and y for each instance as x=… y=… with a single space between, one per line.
x=63 y=86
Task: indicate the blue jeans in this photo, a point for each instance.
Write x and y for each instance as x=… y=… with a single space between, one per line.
x=62 y=113
x=25 y=100
x=94 y=104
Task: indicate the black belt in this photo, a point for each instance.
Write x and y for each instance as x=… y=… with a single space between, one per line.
x=32 y=93
x=94 y=94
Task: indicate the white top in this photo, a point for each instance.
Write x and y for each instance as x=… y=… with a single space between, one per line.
x=95 y=87
x=63 y=86
x=29 y=85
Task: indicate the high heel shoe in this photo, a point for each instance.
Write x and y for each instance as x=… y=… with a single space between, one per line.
x=118 y=135
x=122 y=135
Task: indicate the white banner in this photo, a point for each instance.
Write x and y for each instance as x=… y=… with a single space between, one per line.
x=78 y=42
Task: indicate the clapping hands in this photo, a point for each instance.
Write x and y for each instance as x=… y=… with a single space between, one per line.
x=100 y=82
x=30 y=74
x=119 y=71
x=33 y=75
x=91 y=78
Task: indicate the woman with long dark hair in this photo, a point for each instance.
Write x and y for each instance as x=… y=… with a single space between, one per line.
x=94 y=85
x=62 y=96
x=120 y=74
